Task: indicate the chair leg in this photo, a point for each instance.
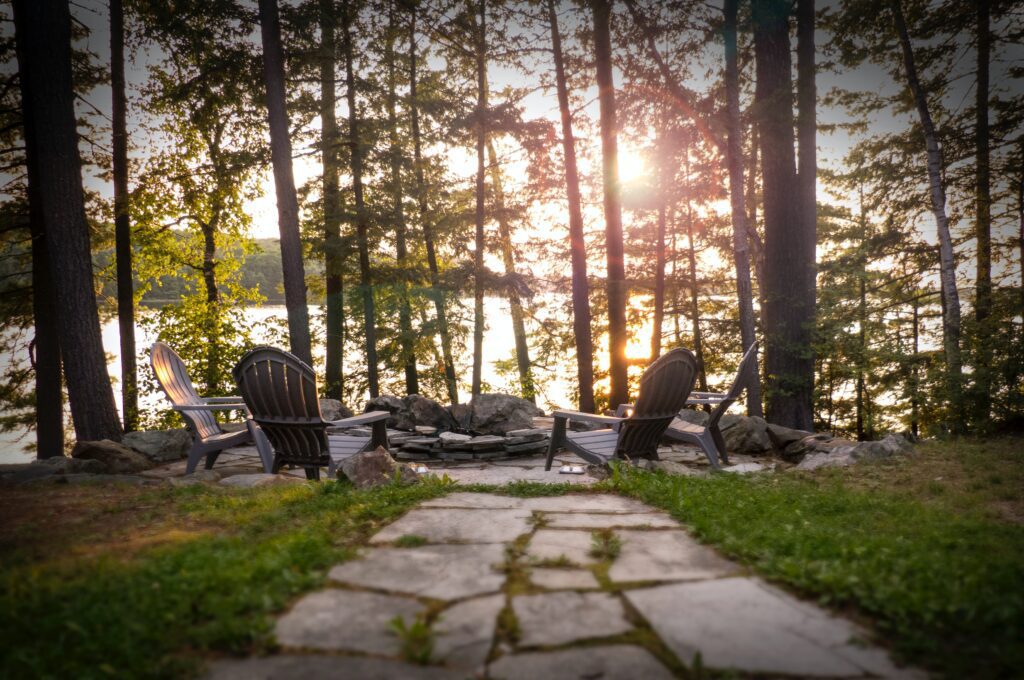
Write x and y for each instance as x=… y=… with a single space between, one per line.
x=710 y=450
x=557 y=436
x=263 y=446
x=313 y=473
x=716 y=436
x=195 y=454
x=211 y=458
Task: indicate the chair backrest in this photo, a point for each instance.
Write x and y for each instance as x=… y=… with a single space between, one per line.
x=743 y=376
x=173 y=378
x=280 y=391
x=664 y=388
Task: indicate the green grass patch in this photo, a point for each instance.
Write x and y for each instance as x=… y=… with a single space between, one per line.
x=942 y=579
x=604 y=544
x=155 y=612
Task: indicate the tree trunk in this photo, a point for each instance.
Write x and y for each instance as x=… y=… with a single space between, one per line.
x=362 y=225
x=734 y=161
x=947 y=262
x=807 y=177
x=915 y=380
x=983 y=224
x=577 y=245
x=526 y=385
x=46 y=343
x=789 y=253
x=43 y=41
x=122 y=225
x=659 y=280
x=428 y=233
x=478 y=253
x=619 y=389
x=862 y=318
x=214 y=372
x=284 y=184
x=334 y=377
x=698 y=337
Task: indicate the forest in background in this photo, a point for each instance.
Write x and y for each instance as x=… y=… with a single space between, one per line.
x=884 y=285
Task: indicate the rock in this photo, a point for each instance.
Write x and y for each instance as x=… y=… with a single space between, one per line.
x=160 y=446
x=892 y=445
x=70 y=466
x=843 y=453
x=670 y=467
x=501 y=413
x=332 y=409
x=795 y=451
x=613 y=662
x=747 y=435
x=689 y=415
x=369 y=469
x=532 y=434
x=486 y=443
x=251 y=480
x=783 y=436
x=449 y=439
x=19 y=473
x=427 y=413
x=401 y=418
x=465 y=632
x=744 y=468
x=117 y=458
x=841 y=457
x=729 y=420
x=462 y=414
x=559 y=618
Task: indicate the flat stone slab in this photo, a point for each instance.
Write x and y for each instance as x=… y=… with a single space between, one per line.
x=563 y=579
x=345 y=620
x=503 y=474
x=615 y=662
x=248 y=481
x=593 y=520
x=747 y=625
x=324 y=668
x=554 y=544
x=440 y=572
x=465 y=632
x=586 y=502
x=666 y=556
x=481 y=501
x=441 y=525
x=562 y=617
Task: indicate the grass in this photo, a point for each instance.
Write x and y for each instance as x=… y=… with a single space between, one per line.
x=417 y=639
x=120 y=581
x=604 y=544
x=940 y=572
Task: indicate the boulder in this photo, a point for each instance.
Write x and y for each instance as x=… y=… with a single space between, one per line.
x=70 y=466
x=689 y=415
x=747 y=435
x=462 y=414
x=370 y=469
x=401 y=417
x=19 y=473
x=842 y=453
x=893 y=445
x=427 y=412
x=117 y=458
x=796 y=451
x=332 y=409
x=783 y=436
x=501 y=413
x=160 y=446
x=670 y=467
x=841 y=456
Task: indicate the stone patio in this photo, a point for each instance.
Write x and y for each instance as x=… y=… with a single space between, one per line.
x=510 y=589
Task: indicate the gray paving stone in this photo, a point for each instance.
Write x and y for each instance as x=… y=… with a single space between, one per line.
x=562 y=617
x=563 y=579
x=501 y=474
x=464 y=499
x=746 y=624
x=666 y=556
x=248 y=481
x=441 y=572
x=465 y=631
x=345 y=620
x=552 y=544
x=442 y=525
x=615 y=662
x=593 y=520
x=585 y=502
x=311 y=667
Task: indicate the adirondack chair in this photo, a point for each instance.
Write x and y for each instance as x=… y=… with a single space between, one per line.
x=208 y=437
x=709 y=436
x=280 y=391
x=664 y=387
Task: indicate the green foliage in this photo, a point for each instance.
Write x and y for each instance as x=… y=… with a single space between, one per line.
x=943 y=587
x=410 y=541
x=417 y=639
x=605 y=544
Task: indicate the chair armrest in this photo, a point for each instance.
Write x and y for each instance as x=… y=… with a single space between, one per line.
x=709 y=402
x=223 y=400
x=361 y=419
x=705 y=395
x=624 y=410
x=210 y=407
x=587 y=417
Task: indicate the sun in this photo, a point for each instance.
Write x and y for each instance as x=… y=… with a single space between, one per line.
x=632 y=165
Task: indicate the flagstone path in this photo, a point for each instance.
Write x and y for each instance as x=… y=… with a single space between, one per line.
x=511 y=588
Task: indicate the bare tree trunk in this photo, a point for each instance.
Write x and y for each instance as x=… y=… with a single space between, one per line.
x=659 y=280
x=398 y=213
x=915 y=380
x=362 y=226
x=807 y=177
x=789 y=251
x=734 y=161
x=214 y=372
x=619 y=390
x=698 y=337
x=478 y=254
x=577 y=245
x=122 y=225
x=43 y=42
x=983 y=224
x=526 y=385
x=284 y=184
x=46 y=343
x=428 y=235
x=334 y=377
x=947 y=262
x=862 y=317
